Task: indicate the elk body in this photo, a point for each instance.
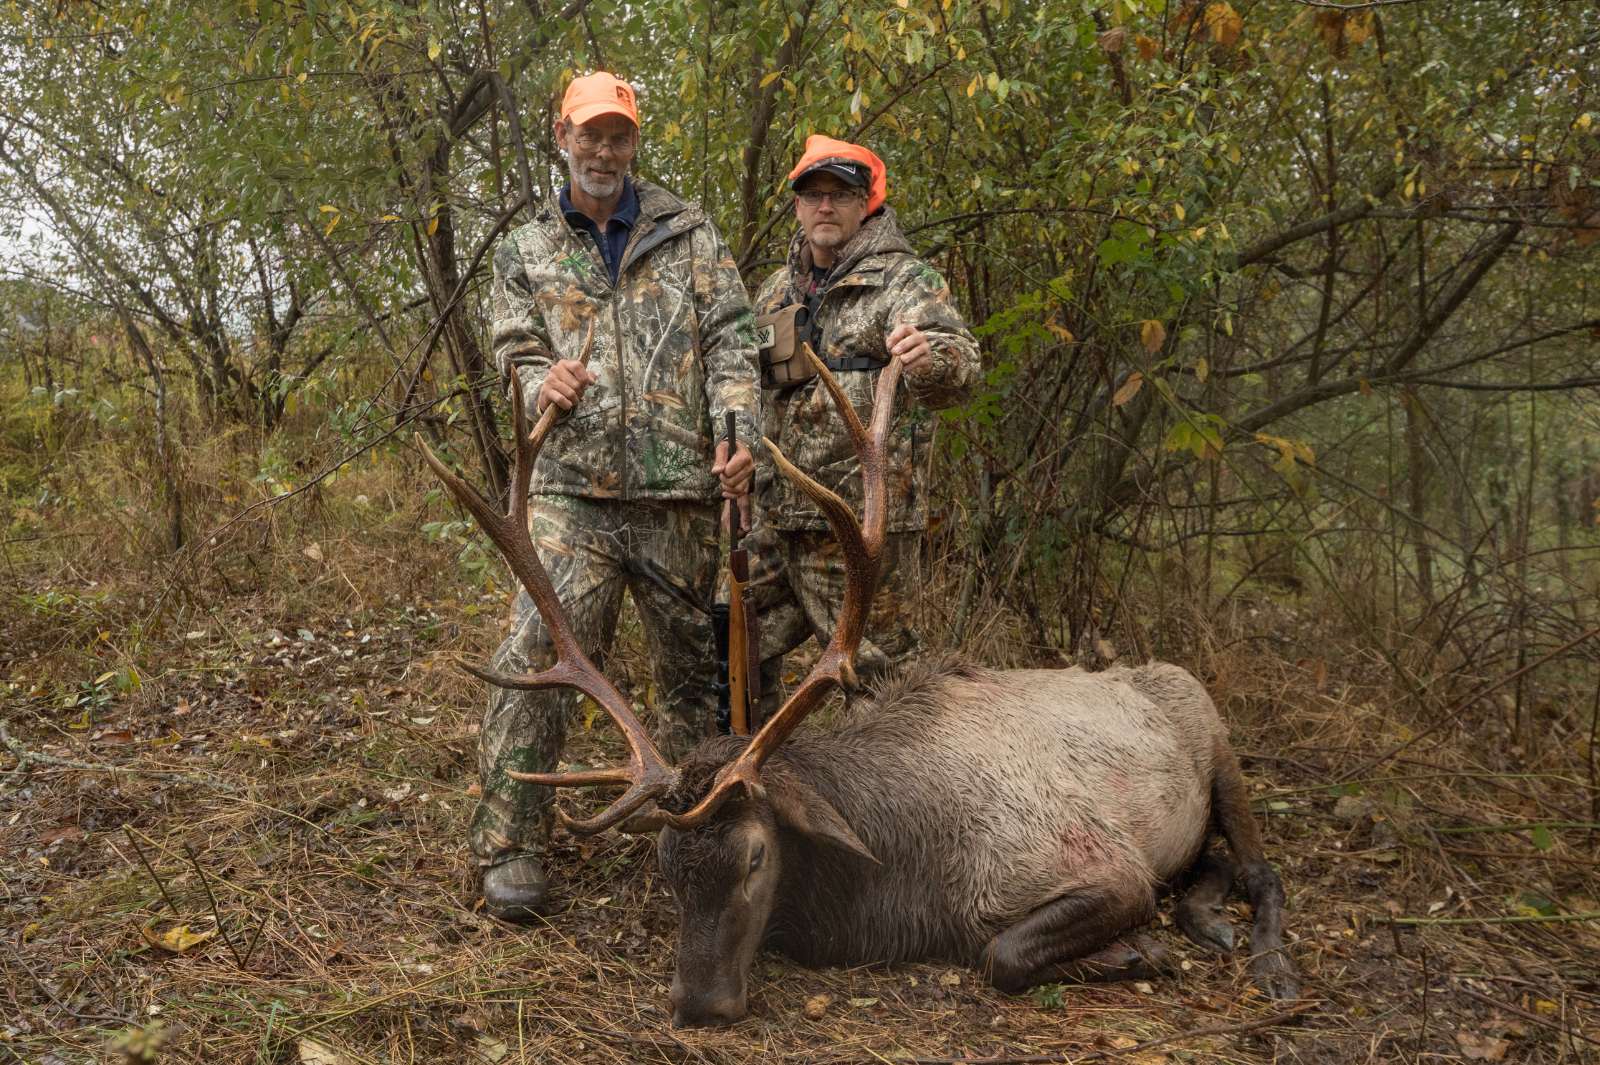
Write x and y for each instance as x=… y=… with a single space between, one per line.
x=1019 y=822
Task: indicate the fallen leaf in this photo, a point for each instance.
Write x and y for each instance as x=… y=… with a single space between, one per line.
x=313 y=551
x=950 y=978
x=1478 y=1047
x=61 y=833
x=490 y=1050
x=863 y=1002
x=315 y=1053
x=177 y=939
x=816 y=1006
x=1153 y=334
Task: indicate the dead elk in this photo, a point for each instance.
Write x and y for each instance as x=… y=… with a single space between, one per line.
x=1018 y=822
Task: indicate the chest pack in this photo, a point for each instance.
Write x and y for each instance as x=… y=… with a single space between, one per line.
x=781 y=337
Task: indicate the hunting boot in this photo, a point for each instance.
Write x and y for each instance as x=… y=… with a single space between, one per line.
x=516 y=890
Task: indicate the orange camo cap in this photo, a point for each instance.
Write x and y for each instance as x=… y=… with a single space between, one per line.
x=598 y=94
x=821 y=150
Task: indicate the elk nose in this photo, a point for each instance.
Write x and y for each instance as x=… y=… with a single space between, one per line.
x=705 y=1011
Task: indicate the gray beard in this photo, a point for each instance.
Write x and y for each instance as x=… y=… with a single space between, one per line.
x=599 y=189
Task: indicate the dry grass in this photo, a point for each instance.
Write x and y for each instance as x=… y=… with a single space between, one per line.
x=297 y=728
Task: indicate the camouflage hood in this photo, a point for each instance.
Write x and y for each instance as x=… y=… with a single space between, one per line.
x=878 y=235
x=673 y=347
x=876 y=284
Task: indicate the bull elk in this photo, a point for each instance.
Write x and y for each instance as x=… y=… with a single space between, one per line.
x=1019 y=822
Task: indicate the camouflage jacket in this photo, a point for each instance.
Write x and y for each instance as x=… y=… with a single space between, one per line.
x=674 y=347
x=876 y=283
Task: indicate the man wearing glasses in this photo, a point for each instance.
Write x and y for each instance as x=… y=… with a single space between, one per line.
x=853 y=290
x=627 y=485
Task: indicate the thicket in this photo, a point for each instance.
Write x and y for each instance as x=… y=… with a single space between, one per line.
x=1283 y=305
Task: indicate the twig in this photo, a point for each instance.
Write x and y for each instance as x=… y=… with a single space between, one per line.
x=160 y=885
x=1530 y=918
x=212 y=899
x=26 y=758
x=33 y=978
x=251 y=949
x=1462 y=706
x=1518 y=826
x=1526 y=1014
x=1065 y=1057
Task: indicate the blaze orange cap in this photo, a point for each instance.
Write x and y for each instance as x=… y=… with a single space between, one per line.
x=598 y=94
x=821 y=151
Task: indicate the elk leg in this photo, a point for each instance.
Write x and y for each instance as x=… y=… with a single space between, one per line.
x=1071 y=928
x=1270 y=966
x=1134 y=957
x=1199 y=911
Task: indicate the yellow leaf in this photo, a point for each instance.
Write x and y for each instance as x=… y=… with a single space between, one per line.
x=1060 y=330
x=1177 y=209
x=329 y=207
x=1585 y=120
x=1224 y=23
x=770 y=78
x=1147 y=46
x=311 y=1052
x=1129 y=389
x=433 y=225
x=333 y=222
x=175 y=940
x=1202 y=370
x=972 y=86
x=434 y=48
x=1152 y=334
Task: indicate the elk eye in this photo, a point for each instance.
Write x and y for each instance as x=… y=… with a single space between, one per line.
x=757 y=856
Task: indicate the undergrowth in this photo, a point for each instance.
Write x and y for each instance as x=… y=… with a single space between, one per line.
x=237 y=776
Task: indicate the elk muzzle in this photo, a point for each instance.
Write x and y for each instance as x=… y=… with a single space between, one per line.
x=702 y=1007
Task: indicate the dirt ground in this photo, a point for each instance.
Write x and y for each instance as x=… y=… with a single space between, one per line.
x=305 y=773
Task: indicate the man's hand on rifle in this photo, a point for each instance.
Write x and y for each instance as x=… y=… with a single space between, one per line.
x=564 y=384
x=736 y=475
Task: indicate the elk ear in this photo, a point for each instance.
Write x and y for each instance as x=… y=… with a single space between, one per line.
x=799 y=806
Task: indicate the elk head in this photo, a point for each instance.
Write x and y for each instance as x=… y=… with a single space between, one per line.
x=718 y=814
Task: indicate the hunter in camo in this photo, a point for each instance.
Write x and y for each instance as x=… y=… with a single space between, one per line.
x=624 y=484
x=875 y=284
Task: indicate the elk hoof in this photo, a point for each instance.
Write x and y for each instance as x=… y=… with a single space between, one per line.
x=1274 y=974
x=1205 y=927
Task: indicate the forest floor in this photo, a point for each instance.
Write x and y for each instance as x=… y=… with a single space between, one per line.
x=300 y=765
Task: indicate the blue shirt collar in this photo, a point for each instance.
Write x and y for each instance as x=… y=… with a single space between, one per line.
x=627 y=211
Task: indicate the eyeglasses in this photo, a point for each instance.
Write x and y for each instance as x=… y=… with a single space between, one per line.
x=591 y=141
x=840 y=197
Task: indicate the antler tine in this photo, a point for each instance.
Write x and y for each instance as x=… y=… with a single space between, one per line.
x=863 y=550
x=647 y=772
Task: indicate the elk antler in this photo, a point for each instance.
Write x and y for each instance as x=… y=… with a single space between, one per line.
x=863 y=552
x=647 y=773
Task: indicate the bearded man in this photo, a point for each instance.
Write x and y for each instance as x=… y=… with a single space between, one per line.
x=627 y=484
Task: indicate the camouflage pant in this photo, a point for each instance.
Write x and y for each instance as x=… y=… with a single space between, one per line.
x=797 y=581
x=593 y=550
